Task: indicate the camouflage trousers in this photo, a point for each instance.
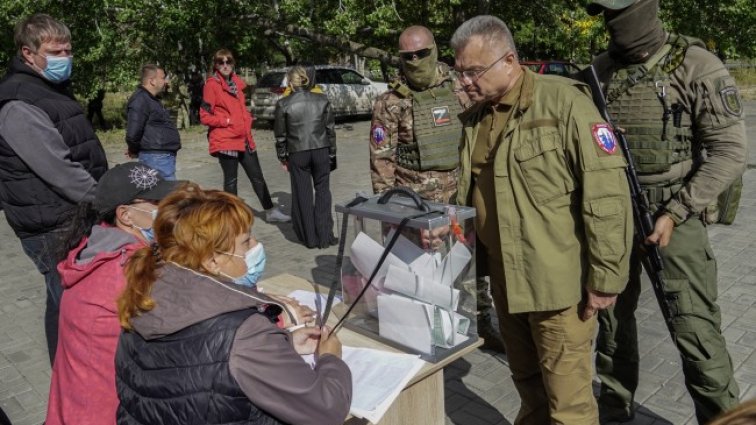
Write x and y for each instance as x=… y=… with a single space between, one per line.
x=182 y=118
x=690 y=278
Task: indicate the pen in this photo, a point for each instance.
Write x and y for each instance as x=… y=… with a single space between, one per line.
x=296 y=327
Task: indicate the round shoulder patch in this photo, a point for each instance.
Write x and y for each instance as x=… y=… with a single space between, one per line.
x=378 y=134
x=604 y=137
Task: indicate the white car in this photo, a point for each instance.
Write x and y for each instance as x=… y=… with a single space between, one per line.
x=349 y=92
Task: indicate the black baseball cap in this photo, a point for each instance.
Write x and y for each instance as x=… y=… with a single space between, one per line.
x=124 y=183
x=597 y=6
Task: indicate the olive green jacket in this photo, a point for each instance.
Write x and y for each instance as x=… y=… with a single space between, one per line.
x=563 y=203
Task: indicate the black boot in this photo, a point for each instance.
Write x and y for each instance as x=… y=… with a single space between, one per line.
x=490 y=334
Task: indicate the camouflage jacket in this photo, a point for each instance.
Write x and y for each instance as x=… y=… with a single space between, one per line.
x=393 y=125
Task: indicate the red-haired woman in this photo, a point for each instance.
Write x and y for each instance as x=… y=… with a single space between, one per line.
x=198 y=348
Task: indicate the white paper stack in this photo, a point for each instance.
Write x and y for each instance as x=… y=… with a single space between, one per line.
x=377 y=379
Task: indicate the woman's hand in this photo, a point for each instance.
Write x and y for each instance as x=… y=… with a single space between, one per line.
x=285 y=166
x=306 y=340
x=329 y=343
x=302 y=313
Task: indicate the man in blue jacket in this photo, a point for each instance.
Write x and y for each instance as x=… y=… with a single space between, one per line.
x=151 y=134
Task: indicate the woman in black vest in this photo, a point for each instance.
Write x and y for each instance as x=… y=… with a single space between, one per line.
x=199 y=349
x=306 y=147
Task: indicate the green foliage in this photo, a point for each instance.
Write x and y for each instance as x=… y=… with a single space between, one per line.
x=113 y=38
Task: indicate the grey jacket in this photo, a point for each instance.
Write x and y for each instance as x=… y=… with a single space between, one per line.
x=304 y=121
x=262 y=360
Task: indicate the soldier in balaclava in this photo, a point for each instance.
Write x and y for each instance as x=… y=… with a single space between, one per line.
x=683 y=119
x=414 y=139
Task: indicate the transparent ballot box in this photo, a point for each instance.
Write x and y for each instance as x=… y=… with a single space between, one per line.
x=422 y=295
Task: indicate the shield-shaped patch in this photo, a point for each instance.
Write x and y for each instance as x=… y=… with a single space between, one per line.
x=731 y=101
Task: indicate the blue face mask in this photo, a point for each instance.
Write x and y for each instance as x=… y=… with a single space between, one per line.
x=147 y=233
x=255 y=259
x=58 y=68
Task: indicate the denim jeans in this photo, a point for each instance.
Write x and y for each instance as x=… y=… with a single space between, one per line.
x=42 y=251
x=164 y=162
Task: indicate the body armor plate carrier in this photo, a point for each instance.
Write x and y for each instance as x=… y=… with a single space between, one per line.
x=436 y=130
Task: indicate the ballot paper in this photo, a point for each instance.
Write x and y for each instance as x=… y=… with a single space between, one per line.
x=405 y=321
x=308 y=298
x=377 y=379
x=415 y=286
x=365 y=254
x=452 y=265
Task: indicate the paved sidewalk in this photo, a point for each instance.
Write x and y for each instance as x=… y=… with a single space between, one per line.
x=479 y=390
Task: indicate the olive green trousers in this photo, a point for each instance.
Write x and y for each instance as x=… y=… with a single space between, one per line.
x=549 y=354
x=690 y=279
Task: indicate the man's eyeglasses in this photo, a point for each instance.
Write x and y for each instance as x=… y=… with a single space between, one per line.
x=415 y=54
x=472 y=76
x=225 y=61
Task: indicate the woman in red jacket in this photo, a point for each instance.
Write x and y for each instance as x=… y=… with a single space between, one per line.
x=225 y=113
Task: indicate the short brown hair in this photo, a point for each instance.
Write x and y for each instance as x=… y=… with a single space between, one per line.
x=221 y=54
x=148 y=71
x=38 y=29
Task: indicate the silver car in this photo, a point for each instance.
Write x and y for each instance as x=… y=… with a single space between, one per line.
x=349 y=92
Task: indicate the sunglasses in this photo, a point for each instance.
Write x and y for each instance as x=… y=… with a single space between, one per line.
x=415 y=54
x=225 y=61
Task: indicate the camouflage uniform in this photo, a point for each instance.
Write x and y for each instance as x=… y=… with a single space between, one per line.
x=179 y=104
x=393 y=125
x=684 y=125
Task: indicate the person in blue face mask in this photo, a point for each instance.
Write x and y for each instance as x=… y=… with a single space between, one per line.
x=255 y=261
x=41 y=183
x=103 y=236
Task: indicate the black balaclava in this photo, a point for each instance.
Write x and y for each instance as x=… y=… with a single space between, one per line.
x=636 y=32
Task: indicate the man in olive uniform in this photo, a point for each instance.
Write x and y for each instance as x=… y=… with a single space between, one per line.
x=683 y=118
x=546 y=176
x=414 y=139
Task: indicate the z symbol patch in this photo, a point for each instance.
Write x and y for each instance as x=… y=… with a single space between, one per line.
x=441 y=116
x=604 y=137
x=378 y=134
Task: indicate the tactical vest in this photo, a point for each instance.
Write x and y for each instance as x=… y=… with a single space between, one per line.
x=641 y=101
x=436 y=129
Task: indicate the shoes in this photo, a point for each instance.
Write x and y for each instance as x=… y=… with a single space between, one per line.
x=275 y=215
x=613 y=414
x=491 y=337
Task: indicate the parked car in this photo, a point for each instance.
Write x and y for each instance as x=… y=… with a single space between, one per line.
x=563 y=68
x=349 y=92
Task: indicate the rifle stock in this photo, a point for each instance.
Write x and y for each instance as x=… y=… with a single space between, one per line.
x=644 y=221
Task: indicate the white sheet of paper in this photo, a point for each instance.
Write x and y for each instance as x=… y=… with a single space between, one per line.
x=404 y=249
x=377 y=379
x=424 y=266
x=308 y=298
x=453 y=264
x=365 y=254
x=404 y=321
x=412 y=285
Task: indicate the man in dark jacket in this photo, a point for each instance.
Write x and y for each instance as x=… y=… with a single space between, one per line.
x=50 y=157
x=151 y=134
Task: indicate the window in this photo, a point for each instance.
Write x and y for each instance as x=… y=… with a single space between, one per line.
x=351 y=77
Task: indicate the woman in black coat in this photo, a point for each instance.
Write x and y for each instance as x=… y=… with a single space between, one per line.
x=306 y=147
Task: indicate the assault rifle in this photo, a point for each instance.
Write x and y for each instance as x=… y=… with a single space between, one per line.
x=644 y=221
